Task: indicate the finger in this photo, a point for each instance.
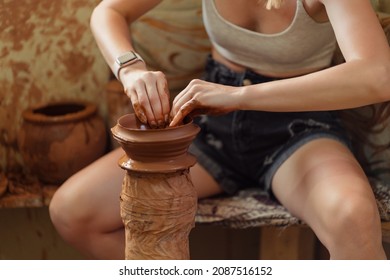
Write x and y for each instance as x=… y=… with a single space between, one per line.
x=143 y=101
x=177 y=119
x=184 y=110
x=179 y=97
x=160 y=98
x=138 y=110
x=155 y=103
x=179 y=101
x=163 y=90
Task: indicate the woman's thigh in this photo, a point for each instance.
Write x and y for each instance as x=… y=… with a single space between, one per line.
x=319 y=181
x=91 y=196
x=204 y=183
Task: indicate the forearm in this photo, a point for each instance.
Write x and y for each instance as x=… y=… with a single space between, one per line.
x=110 y=25
x=147 y=90
x=349 y=85
x=111 y=33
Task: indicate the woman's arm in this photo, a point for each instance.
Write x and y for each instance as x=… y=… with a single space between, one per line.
x=148 y=90
x=363 y=79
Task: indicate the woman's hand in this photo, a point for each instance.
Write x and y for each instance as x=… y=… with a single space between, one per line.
x=201 y=97
x=149 y=94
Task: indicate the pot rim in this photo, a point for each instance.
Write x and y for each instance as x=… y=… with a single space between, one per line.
x=32 y=115
x=128 y=134
x=120 y=123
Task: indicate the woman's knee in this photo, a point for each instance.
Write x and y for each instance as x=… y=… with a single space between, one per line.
x=353 y=216
x=65 y=211
x=356 y=210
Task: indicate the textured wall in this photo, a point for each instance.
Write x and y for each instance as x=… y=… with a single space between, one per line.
x=46 y=53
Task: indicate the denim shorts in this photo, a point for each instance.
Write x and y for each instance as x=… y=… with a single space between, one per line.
x=244 y=149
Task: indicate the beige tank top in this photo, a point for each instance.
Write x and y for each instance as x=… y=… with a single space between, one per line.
x=305 y=44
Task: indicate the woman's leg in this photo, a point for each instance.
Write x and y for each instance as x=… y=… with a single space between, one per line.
x=85 y=210
x=323 y=184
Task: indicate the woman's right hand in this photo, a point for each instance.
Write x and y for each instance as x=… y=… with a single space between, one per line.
x=110 y=24
x=149 y=94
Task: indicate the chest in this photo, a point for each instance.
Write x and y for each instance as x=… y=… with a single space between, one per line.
x=252 y=14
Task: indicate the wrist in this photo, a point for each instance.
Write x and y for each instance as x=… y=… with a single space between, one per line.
x=124 y=61
x=130 y=70
x=240 y=95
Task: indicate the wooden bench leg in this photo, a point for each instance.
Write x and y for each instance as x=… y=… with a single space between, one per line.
x=287 y=243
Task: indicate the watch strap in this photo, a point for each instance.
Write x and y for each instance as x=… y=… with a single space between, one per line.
x=124 y=60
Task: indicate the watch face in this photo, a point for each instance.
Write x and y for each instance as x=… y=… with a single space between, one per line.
x=125 y=58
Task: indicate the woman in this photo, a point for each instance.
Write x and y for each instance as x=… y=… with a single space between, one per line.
x=268 y=106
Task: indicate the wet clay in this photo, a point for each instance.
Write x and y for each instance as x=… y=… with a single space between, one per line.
x=158 y=199
x=139 y=111
x=154 y=150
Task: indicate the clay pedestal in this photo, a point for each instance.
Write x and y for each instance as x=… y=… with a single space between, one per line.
x=158 y=199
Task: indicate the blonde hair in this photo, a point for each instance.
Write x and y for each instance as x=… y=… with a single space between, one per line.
x=269 y=4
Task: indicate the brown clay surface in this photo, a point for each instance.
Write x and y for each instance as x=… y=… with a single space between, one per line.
x=154 y=150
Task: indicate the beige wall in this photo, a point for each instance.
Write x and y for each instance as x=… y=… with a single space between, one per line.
x=383 y=5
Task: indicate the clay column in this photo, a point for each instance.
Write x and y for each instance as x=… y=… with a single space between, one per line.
x=158 y=199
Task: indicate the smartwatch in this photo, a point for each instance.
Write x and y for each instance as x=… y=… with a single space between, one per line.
x=125 y=59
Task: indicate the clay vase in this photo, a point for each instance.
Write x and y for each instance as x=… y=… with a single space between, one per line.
x=158 y=199
x=58 y=139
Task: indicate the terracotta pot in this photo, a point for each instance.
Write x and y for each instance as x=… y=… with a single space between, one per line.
x=154 y=150
x=59 y=139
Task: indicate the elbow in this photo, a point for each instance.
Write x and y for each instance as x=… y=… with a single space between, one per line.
x=93 y=20
x=375 y=80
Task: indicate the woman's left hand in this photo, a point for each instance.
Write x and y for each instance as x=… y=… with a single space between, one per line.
x=201 y=97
